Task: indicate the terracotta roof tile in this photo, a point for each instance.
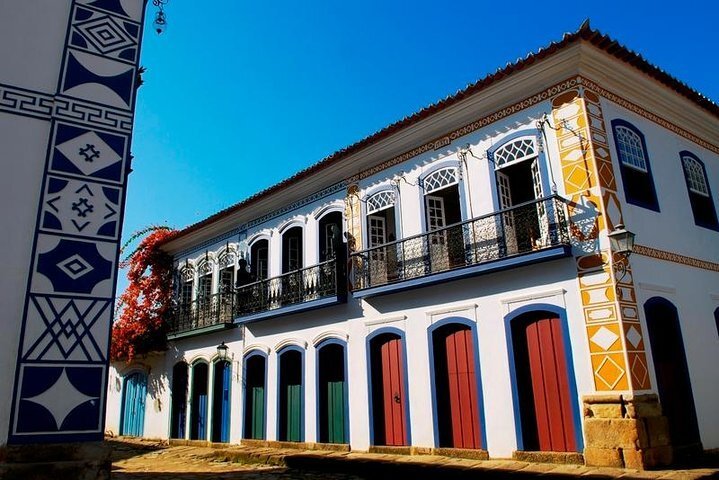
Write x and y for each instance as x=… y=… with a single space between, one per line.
x=584 y=33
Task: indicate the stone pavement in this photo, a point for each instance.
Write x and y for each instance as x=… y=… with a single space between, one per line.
x=152 y=460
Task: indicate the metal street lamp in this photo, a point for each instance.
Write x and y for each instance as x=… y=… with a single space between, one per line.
x=621 y=242
x=223 y=351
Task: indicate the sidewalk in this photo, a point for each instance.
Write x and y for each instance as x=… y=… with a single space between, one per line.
x=249 y=462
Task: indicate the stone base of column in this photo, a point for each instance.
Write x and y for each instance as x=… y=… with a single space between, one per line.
x=626 y=431
x=79 y=461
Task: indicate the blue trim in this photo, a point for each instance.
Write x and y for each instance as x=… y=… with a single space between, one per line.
x=171 y=382
x=368 y=352
x=318 y=347
x=466 y=272
x=200 y=331
x=282 y=351
x=192 y=401
x=265 y=357
x=225 y=408
x=292 y=309
x=571 y=378
x=711 y=226
x=623 y=169
x=478 y=375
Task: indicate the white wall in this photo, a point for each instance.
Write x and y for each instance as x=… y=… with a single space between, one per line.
x=32 y=35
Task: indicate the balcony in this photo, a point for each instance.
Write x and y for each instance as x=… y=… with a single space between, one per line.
x=215 y=312
x=528 y=233
x=293 y=292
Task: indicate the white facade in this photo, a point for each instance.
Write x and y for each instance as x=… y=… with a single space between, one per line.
x=506 y=144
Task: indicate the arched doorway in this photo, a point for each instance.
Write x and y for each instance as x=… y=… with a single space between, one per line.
x=179 y=400
x=457 y=407
x=221 y=402
x=388 y=392
x=290 y=418
x=133 y=405
x=255 y=379
x=332 y=393
x=670 y=366
x=198 y=411
x=545 y=394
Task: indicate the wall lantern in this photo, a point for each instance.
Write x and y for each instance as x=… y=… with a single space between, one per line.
x=621 y=242
x=223 y=351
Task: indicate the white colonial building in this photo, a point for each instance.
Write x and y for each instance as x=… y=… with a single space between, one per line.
x=449 y=284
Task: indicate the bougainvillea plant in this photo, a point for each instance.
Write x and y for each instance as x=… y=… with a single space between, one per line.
x=145 y=306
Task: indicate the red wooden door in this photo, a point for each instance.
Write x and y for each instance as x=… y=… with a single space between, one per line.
x=549 y=411
x=462 y=389
x=393 y=392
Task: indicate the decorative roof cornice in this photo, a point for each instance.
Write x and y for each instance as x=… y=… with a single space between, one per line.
x=584 y=34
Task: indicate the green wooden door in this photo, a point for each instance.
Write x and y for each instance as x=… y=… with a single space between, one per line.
x=258 y=413
x=336 y=414
x=294 y=413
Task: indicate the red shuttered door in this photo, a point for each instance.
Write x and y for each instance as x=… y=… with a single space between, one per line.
x=544 y=393
x=393 y=392
x=462 y=389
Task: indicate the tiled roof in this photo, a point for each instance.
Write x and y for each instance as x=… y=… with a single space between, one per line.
x=584 y=33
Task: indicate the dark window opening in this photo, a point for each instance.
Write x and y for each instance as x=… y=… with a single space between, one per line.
x=634 y=165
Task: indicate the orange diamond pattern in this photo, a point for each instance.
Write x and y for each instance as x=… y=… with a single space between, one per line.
x=610 y=309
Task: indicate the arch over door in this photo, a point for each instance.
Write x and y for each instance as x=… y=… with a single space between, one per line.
x=389 y=398
x=255 y=379
x=179 y=400
x=546 y=401
x=221 y=403
x=455 y=387
x=670 y=366
x=198 y=412
x=133 y=405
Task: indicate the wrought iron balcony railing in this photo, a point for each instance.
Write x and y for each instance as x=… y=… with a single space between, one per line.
x=522 y=229
x=204 y=312
x=296 y=287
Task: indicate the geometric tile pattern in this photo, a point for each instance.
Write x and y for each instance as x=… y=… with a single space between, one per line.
x=616 y=345
x=62 y=363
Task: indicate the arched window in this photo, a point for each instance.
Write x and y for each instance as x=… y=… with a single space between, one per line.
x=204 y=281
x=515 y=151
x=187 y=275
x=699 y=192
x=380 y=201
x=440 y=179
x=634 y=165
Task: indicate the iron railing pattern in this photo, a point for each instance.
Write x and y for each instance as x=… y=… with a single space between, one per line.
x=204 y=312
x=522 y=229
x=299 y=286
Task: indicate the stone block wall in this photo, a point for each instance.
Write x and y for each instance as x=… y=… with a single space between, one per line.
x=626 y=431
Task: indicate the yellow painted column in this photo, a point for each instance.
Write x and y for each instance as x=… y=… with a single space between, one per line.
x=616 y=340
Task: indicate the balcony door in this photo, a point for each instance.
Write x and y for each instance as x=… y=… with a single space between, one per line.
x=519 y=180
x=381 y=228
x=442 y=208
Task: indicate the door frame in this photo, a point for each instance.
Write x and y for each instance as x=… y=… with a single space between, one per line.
x=172 y=398
x=318 y=347
x=569 y=360
x=541 y=158
x=125 y=377
x=477 y=372
x=303 y=390
x=245 y=357
x=406 y=406
x=226 y=371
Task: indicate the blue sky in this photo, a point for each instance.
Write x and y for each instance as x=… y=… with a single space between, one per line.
x=239 y=95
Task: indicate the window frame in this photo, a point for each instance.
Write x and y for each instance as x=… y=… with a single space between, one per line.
x=627 y=170
x=699 y=201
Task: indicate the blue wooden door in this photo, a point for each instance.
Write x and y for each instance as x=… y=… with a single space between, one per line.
x=221 y=403
x=198 y=418
x=133 y=406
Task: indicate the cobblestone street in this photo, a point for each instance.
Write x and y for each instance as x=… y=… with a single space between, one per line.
x=147 y=460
